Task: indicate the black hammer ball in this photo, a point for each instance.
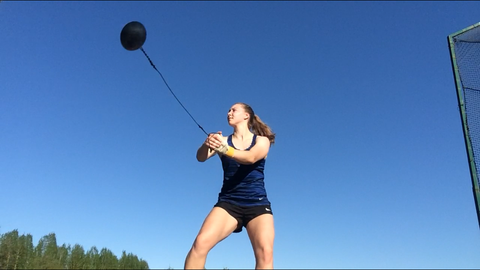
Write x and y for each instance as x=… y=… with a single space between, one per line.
x=133 y=36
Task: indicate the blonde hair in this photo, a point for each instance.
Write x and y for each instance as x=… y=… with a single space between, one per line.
x=256 y=125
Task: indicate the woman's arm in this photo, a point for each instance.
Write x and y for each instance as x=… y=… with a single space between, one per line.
x=205 y=152
x=256 y=153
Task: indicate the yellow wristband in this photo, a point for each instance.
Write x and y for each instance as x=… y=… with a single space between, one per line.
x=230 y=151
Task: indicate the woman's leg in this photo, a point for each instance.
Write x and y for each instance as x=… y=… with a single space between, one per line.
x=262 y=233
x=216 y=227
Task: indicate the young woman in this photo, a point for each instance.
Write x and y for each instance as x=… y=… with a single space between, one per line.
x=242 y=201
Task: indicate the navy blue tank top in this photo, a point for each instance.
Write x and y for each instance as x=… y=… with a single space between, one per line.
x=243 y=184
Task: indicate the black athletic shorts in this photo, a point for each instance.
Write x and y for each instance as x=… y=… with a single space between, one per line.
x=244 y=214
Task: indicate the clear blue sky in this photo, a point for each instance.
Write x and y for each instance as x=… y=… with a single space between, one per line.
x=369 y=169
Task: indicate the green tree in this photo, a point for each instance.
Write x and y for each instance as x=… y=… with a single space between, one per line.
x=38 y=254
x=63 y=255
x=131 y=261
x=122 y=262
x=49 y=258
x=77 y=257
x=9 y=249
x=25 y=252
x=108 y=260
x=143 y=265
x=18 y=252
x=93 y=258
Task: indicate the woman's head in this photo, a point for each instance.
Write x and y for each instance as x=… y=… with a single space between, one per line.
x=241 y=113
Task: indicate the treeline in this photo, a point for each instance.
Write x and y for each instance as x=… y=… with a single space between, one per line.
x=18 y=252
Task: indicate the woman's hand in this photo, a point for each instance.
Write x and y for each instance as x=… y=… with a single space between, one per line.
x=220 y=144
x=207 y=149
x=215 y=140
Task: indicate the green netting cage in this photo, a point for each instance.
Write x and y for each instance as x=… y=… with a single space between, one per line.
x=464 y=48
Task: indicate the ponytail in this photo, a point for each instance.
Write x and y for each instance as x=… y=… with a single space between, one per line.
x=257 y=126
x=260 y=128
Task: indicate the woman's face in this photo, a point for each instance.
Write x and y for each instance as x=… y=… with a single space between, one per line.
x=236 y=114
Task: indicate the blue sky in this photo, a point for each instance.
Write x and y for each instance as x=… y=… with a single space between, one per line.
x=369 y=169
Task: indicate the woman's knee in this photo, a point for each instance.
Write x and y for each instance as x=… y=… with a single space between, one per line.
x=202 y=245
x=264 y=254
